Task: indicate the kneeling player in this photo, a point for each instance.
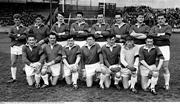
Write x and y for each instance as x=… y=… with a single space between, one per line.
x=111 y=55
x=53 y=53
x=130 y=61
x=92 y=59
x=71 y=59
x=147 y=57
x=32 y=56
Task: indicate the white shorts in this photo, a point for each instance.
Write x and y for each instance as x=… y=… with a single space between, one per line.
x=29 y=70
x=80 y=43
x=145 y=71
x=55 y=69
x=91 y=69
x=67 y=71
x=166 y=52
x=16 y=50
x=63 y=43
x=101 y=43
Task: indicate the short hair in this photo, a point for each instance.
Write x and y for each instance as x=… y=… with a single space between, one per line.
x=52 y=33
x=149 y=37
x=79 y=13
x=70 y=36
x=129 y=38
x=39 y=16
x=110 y=36
x=90 y=35
x=62 y=13
x=16 y=16
x=31 y=36
x=140 y=14
x=161 y=14
x=119 y=13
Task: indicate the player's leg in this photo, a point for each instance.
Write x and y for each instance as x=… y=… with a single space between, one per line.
x=144 y=77
x=75 y=76
x=13 y=67
x=67 y=75
x=117 y=78
x=166 y=74
x=44 y=76
x=107 y=81
x=90 y=72
x=29 y=75
x=55 y=69
x=165 y=67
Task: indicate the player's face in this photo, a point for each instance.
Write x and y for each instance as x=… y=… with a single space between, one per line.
x=38 y=21
x=161 y=19
x=129 y=43
x=60 y=18
x=111 y=41
x=52 y=39
x=17 y=21
x=31 y=41
x=70 y=42
x=100 y=18
x=149 y=42
x=90 y=41
x=79 y=17
x=140 y=18
x=118 y=18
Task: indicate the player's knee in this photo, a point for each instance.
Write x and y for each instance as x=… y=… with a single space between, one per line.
x=155 y=74
x=118 y=75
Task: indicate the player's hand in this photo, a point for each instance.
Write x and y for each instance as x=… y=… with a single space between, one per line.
x=160 y=34
x=80 y=32
x=41 y=42
x=63 y=33
x=98 y=32
x=118 y=36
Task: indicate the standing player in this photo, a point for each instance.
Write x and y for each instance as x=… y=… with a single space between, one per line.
x=32 y=56
x=100 y=29
x=130 y=61
x=40 y=30
x=53 y=57
x=111 y=56
x=120 y=29
x=147 y=58
x=80 y=29
x=139 y=31
x=61 y=29
x=92 y=59
x=71 y=58
x=161 y=34
x=18 y=39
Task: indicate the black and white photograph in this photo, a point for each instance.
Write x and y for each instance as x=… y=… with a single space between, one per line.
x=70 y=51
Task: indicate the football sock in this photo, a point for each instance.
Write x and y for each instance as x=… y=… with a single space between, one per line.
x=45 y=79
x=13 y=72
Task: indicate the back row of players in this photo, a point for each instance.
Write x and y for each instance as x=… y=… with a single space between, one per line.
x=116 y=51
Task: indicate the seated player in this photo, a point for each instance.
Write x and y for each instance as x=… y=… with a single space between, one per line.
x=92 y=59
x=148 y=55
x=130 y=62
x=32 y=56
x=53 y=57
x=111 y=57
x=71 y=58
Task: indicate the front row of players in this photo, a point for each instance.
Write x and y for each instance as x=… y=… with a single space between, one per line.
x=112 y=61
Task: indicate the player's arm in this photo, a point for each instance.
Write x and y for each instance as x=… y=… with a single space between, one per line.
x=106 y=32
x=122 y=58
x=160 y=57
x=99 y=51
x=152 y=33
x=105 y=58
x=24 y=56
x=78 y=56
